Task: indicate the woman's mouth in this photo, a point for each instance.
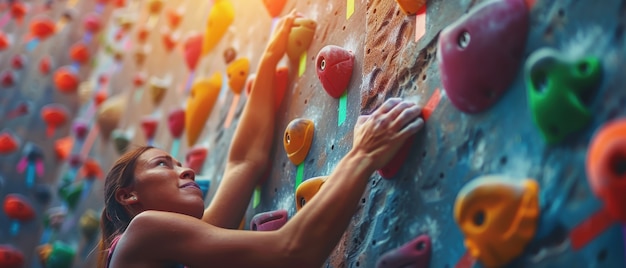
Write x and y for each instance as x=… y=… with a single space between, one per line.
x=190 y=184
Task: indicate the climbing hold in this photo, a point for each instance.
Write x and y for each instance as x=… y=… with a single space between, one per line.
x=411 y=7
x=300 y=37
x=149 y=126
x=45 y=65
x=174 y=17
x=229 y=55
x=18 y=61
x=334 y=69
x=176 y=122
x=498 y=217
x=192 y=49
x=4 y=41
x=237 y=73
x=89 y=224
x=11 y=257
x=61 y=256
x=170 y=40
x=92 y=23
x=142 y=34
x=16 y=207
x=63 y=147
x=202 y=97
x=17 y=10
x=99 y=98
x=139 y=79
x=66 y=79
x=158 y=88
x=155 y=6
x=42 y=27
x=80 y=129
x=8 y=143
x=221 y=16
x=269 y=221
x=307 y=190
x=469 y=42
x=557 y=87
x=274 y=7
x=109 y=114
x=416 y=253
x=121 y=140
x=91 y=169
x=70 y=194
x=298 y=138
x=195 y=158
x=54 y=115
x=7 y=78
x=79 y=52
x=394 y=165
x=606 y=167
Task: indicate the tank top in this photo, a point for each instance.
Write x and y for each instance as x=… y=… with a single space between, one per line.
x=112 y=248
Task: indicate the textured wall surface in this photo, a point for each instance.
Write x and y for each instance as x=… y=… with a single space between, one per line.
x=454 y=148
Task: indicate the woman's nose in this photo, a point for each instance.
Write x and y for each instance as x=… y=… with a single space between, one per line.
x=187 y=173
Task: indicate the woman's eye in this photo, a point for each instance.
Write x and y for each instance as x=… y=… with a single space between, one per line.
x=161 y=163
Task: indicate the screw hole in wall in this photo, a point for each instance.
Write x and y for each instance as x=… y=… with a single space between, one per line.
x=602 y=254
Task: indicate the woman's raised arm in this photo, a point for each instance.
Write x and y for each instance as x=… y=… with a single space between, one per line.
x=252 y=142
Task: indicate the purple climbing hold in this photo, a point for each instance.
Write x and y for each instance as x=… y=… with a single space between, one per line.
x=269 y=221
x=414 y=254
x=480 y=54
x=80 y=129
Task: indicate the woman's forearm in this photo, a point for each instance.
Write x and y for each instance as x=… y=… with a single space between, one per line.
x=317 y=228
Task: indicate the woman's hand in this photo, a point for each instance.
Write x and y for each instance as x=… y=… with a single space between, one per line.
x=277 y=46
x=381 y=134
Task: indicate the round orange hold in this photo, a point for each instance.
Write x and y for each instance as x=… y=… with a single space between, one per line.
x=99 y=98
x=79 y=52
x=42 y=27
x=66 y=80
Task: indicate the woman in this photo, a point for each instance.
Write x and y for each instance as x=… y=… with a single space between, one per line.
x=154 y=212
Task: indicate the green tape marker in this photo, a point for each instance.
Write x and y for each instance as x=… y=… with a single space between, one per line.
x=299 y=175
x=302 y=66
x=343 y=107
x=256 y=197
x=138 y=94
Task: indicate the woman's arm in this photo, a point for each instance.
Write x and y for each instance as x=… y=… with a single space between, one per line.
x=306 y=240
x=251 y=145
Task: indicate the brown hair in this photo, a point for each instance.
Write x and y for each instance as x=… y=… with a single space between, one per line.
x=115 y=219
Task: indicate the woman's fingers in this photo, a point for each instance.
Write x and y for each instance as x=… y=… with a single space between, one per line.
x=403 y=116
x=387 y=105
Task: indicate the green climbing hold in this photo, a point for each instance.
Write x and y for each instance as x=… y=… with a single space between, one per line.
x=71 y=194
x=558 y=90
x=62 y=256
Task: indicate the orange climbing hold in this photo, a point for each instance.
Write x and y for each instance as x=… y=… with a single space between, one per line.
x=307 y=189
x=237 y=73
x=606 y=167
x=42 y=27
x=66 y=80
x=411 y=7
x=8 y=143
x=298 y=139
x=202 y=98
x=274 y=7
x=498 y=217
x=79 y=52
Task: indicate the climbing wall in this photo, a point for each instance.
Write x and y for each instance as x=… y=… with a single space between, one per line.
x=518 y=164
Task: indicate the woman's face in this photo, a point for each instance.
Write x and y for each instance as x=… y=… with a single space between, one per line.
x=161 y=183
